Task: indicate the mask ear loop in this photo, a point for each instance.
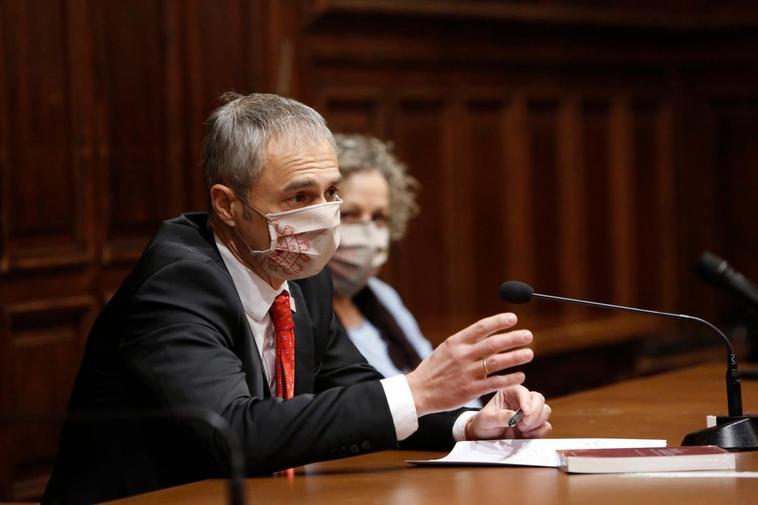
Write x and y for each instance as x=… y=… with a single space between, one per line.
x=250 y=249
x=249 y=205
x=271 y=240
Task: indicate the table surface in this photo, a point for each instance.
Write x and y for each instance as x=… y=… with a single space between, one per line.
x=663 y=406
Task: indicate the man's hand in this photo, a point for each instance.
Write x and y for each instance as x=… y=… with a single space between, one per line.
x=492 y=421
x=460 y=369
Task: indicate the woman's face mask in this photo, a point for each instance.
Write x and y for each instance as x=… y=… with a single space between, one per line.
x=363 y=248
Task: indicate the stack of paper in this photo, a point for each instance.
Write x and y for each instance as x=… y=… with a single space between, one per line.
x=538 y=452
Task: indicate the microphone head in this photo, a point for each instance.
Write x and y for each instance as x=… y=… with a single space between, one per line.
x=516 y=292
x=711 y=268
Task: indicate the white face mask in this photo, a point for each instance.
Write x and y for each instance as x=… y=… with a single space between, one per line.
x=363 y=248
x=301 y=240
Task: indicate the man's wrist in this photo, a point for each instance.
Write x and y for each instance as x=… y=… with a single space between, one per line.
x=401 y=405
x=461 y=426
x=417 y=391
x=466 y=434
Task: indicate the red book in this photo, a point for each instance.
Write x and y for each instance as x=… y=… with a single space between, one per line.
x=646 y=459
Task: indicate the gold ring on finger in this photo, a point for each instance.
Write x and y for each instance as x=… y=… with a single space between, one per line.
x=484 y=366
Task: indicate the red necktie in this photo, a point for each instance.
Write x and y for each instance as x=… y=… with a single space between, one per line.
x=284 y=330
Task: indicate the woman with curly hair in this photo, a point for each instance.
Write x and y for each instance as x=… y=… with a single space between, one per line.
x=378 y=199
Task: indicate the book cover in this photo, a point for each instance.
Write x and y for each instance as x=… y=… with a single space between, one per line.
x=646 y=459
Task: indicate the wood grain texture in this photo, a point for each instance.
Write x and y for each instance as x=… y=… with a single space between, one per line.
x=101 y=111
x=48 y=227
x=590 y=151
x=634 y=409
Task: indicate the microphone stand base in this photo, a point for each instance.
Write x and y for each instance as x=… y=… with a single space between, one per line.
x=731 y=433
x=729 y=419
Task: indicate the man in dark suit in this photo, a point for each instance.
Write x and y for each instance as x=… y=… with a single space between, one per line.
x=231 y=312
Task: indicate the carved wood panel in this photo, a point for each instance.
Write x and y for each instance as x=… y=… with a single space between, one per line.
x=587 y=160
x=101 y=112
x=736 y=152
x=228 y=61
x=43 y=187
x=484 y=146
x=134 y=191
x=38 y=338
x=569 y=190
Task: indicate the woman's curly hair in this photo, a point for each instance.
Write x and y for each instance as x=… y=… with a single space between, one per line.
x=362 y=153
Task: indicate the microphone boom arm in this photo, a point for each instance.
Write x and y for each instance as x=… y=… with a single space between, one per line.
x=733 y=384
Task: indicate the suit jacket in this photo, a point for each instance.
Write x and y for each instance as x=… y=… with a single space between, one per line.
x=175 y=333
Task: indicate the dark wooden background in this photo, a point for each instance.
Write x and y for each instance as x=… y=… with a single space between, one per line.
x=594 y=149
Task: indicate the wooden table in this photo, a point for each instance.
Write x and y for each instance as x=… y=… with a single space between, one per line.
x=664 y=406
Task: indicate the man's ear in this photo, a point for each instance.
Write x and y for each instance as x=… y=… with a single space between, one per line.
x=222 y=198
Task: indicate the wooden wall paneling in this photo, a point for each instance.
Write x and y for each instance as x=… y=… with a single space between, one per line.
x=484 y=161
x=176 y=156
x=572 y=215
x=5 y=121
x=705 y=146
x=543 y=118
x=5 y=388
x=517 y=191
x=595 y=148
x=421 y=267
x=696 y=200
x=354 y=110
x=669 y=15
x=44 y=188
x=48 y=236
x=622 y=186
x=667 y=207
x=56 y=325
x=650 y=232
x=738 y=177
x=221 y=44
x=263 y=38
x=736 y=152
x=135 y=194
x=287 y=60
x=459 y=193
x=39 y=337
x=84 y=125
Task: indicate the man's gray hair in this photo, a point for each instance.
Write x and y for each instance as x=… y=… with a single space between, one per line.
x=239 y=131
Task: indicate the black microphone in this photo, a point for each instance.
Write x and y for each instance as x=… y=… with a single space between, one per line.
x=717 y=272
x=519 y=292
x=174 y=413
x=736 y=432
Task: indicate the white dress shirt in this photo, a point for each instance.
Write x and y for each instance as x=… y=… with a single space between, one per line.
x=257 y=296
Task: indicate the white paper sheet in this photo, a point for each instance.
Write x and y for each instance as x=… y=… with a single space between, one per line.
x=538 y=452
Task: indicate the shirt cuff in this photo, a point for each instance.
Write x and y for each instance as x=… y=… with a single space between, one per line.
x=402 y=406
x=459 y=428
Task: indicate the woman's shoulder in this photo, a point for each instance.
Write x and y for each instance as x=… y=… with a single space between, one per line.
x=392 y=301
x=384 y=291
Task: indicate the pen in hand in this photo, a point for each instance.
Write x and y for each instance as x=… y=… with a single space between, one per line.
x=516 y=418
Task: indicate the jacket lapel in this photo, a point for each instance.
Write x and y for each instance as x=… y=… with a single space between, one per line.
x=245 y=348
x=255 y=378
x=303 y=342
